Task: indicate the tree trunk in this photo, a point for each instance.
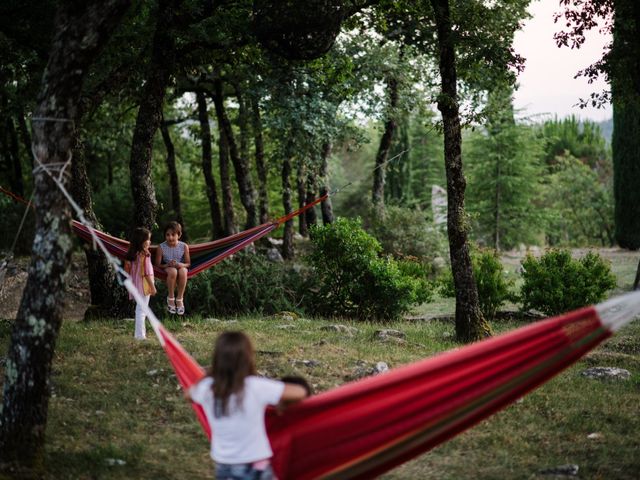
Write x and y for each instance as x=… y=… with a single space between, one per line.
x=377 y=196
x=18 y=182
x=263 y=195
x=310 y=215
x=25 y=136
x=625 y=142
x=174 y=184
x=636 y=282
x=81 y=29
x=325 y=206
x=496 y=211
x=302 y=197
x=470 y=324
x=229 y=225
x=287 y=239
x=243 y=177
x=149 y=117
x=108 y=298
x=205 y=137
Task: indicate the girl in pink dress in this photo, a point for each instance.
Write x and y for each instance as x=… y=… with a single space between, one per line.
x=138 y=265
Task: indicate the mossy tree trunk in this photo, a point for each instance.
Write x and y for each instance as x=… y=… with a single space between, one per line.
x=81 y=29
x=470 y=324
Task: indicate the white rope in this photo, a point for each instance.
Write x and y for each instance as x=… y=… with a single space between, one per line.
x=122 y=276
x=618 y=311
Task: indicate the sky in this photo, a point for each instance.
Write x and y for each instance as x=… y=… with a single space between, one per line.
x=547 y=86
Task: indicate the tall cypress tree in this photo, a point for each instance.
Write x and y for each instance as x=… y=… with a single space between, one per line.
x=625 y=86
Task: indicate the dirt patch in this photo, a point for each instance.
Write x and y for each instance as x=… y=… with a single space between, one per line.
x=77 y=297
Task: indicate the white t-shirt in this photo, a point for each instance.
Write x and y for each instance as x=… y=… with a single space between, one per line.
x=240 y=436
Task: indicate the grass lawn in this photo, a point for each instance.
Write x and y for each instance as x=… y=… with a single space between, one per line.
x=116 y=410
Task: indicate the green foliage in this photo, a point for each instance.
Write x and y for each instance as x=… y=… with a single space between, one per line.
x=494 y=288
x=556 y=283
x=352 y=280
x=406 y=232
x=245 y=283
x=505 y=175
x=572 y=137
x=579 y=204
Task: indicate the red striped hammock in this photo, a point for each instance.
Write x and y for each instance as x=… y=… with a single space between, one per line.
x=364 y=428
x=203 y=255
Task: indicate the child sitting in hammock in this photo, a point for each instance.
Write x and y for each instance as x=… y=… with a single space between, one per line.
x=173 y=257
x=234 y=400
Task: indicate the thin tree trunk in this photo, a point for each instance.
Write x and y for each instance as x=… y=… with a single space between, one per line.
x=225 y=178
x=150 y=116
x=287 y=239
x=263 y=195
x=302 y=197
x=205 y=137
x=18 y=182
x=81 y=29
x=174 y=184
x=326 y=207
x=496 y=232
x=470 y=324
x=243 y=177
x=25 y=136
x=377 y=195
x=310 y=215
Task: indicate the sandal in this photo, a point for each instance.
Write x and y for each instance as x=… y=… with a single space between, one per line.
x=179 y=308
x=171 y=305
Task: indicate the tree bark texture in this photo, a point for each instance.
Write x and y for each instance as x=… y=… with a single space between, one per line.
x=377 y=195
x=240 y=166
x=108 y=298
x=228 y=222
x=212 y=194
x=263 y=195
x=174 y=183
x=287 y=239
x=310 y=215
x=163 y=57
x=470 y=324
x=325 y=206
x=81 y=29
x=302 y=197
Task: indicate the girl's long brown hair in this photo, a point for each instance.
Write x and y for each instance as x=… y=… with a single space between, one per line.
x=233 y=361
x=138 y=237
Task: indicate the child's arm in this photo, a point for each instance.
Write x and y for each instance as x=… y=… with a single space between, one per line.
x=158 y=259
x=291 y=394
x=187 y=258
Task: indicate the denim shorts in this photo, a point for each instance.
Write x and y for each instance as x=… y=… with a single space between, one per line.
x=242 y=471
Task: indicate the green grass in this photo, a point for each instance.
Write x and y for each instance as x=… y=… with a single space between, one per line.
x=118 y=399
x=114 y=398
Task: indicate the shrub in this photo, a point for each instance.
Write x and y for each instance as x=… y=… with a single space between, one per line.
x=406 y=232
x=494 y=289
x=245 y=283
x=556 y=283
x=352 y=280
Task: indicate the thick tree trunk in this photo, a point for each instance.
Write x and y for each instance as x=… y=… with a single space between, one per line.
x=287 y=239
x=301 y=187
x=263 y=195
x=470 y=324
x=377 y=195
x=240 y=166
x=229 y=225
x=149 y=117
x=205 y=138
x=108 y=298
x=81 y=29
x=325 y=206
x=174 y=183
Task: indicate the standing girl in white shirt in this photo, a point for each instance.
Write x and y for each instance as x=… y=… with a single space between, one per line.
x=234 y=400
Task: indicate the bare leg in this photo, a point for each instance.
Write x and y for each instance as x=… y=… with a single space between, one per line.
x=172 y=274
x=182 y=285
